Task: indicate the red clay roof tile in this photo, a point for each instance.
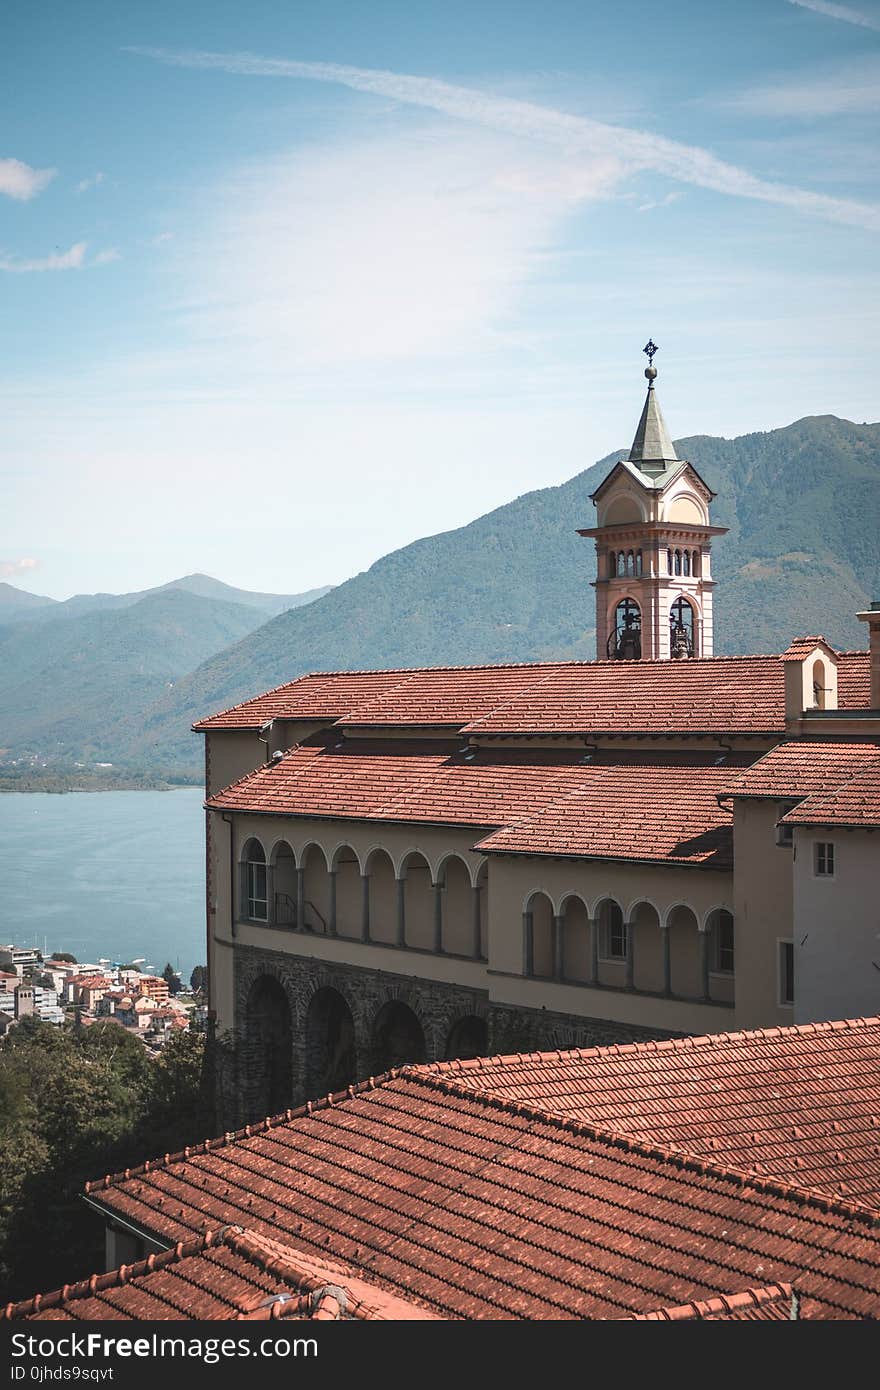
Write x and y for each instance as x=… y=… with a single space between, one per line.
x=855 y=804
x=803 y=766
x=773 y=1304
x=487 y=1208
x=231 y=1274
x=801 y=1103
x=744 y=694
x=638 y=809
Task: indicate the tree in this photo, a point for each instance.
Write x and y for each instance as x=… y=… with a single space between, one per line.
x=171 y=977
x=73 y=1106
x=64 y=956
x=198 y=980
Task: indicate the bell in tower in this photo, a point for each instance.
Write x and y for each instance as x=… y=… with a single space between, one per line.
x=653 y=548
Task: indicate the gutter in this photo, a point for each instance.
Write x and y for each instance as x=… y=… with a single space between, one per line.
x=117 y=1220
x=228 y=821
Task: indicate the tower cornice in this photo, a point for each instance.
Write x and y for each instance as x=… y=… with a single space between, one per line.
x=675 y=530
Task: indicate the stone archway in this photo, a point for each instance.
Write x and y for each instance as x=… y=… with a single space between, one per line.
x=468 y=1037
x=269 y=1047
x=398 y=1037
x=331 y=1057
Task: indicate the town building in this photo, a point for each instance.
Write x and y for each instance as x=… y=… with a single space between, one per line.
x=18 y=959
x=153 y=986
x=415 y=865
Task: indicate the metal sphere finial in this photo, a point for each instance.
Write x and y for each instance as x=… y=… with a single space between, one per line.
x=650 y=371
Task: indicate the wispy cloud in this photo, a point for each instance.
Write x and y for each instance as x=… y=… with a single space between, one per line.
x=660 y=202
x=577 y=136
x=20 y=181
x=10 y=568
x=384 y=249
x=72 y=259
x=94 y=182
x=848 y=88
x=833 y=11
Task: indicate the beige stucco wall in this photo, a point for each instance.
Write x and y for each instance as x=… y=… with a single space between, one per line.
x=512 y=880
x=837 y=942
x=762 y=911
x=647 y=894
x=231 y=755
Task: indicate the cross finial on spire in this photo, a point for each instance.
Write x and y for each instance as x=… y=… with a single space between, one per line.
x=650 y=371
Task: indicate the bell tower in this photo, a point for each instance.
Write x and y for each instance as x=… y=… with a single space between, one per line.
x=653 y=542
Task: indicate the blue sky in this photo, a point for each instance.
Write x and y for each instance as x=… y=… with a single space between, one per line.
x=288 y=285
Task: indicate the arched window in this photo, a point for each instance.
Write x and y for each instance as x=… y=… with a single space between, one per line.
x=686 y=562
x=625 y=638
x=695 y=562
x=669 y=562
x=818 y=685
x=678 y=562
x=630 y=563
x=681 y=629
x=638 y=562
x=612 y=563
x=621 y=565
x=256 y=884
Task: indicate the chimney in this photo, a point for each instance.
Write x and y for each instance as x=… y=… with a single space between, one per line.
x=872 y=618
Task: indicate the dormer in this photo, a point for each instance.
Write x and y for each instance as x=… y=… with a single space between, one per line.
x=810 y=665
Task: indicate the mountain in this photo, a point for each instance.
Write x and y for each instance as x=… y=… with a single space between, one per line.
x=76 y=688
x=18 y=603
x=202 y=585
x=802 y=555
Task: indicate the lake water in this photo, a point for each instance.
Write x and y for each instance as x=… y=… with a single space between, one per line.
x=118 y=874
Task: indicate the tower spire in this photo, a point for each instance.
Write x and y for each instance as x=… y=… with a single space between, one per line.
x=652 y=447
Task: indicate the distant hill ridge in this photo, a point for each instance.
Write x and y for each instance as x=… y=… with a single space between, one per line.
x=802 y=555
x=16 y=604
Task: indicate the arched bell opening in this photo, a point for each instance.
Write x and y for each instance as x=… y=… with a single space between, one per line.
x=625 y=638
x=681 y=629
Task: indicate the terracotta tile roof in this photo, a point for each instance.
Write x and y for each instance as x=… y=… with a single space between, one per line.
x=483 y=1207
x=803 y=766
x=744 y=694
x=801 y=1104
x=773 y=1304
x=855 y=804
x=640 y=809
x=853 y=680
x=453 y=696
x=317 y=696
x=801 y=647
x=649 y=813
x=232 y=1274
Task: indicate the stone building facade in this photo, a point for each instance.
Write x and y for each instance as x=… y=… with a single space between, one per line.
x=419 y=865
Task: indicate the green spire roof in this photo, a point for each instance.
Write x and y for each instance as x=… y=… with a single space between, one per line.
x=652 y=448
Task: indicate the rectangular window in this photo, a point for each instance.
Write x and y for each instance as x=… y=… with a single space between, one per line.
x=725 y=944
x=786 y=972
x=617 y=938
x=824 y=851
x=257 y=897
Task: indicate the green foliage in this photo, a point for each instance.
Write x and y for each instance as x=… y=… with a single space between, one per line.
x=64 y=957
x=803 y=555
x=198 y=980
x=75 y=1103
x=172 y=979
